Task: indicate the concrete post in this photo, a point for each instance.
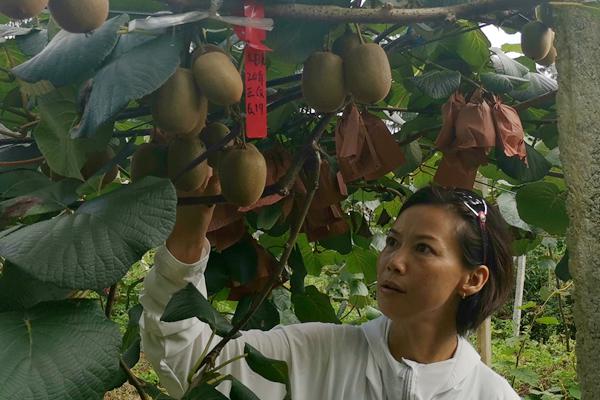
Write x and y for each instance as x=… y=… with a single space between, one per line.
x=578 y=103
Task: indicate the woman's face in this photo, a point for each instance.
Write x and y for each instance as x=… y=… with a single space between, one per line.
x=420 y=272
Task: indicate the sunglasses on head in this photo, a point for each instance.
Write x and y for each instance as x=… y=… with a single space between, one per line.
x=479 y=208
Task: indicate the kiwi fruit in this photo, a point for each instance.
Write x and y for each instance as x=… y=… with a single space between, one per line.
x=182 y=151
x=178 y=108
x=97 y=160
x=211 y=135
x=536 y=39
x=243 y=175
x=150 y=159
x=549 y=59
x=367 y=73
x=345 y=43
x=206 y=48
x=323 y=81
x=22 y=9
x=217 y=78
x=79 y=16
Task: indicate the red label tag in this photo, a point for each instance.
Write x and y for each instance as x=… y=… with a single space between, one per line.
x=255 y=71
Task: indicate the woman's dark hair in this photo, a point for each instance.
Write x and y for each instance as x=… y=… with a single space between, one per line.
x=493 y=245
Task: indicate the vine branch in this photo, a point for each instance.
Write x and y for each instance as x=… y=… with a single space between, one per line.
x=133 y=380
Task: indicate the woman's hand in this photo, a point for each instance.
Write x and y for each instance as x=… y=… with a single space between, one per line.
x=186 y=241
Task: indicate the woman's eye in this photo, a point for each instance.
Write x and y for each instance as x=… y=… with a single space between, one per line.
x=390 y=241
x=423 y=248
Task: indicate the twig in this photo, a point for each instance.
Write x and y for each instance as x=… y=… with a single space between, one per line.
x=387 y=14
x=110 y=300
x=133 y=380
x=387 y=32
x=284 y=80
x=21 y=162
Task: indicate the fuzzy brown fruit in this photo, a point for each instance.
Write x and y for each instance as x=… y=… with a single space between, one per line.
x=217 y=78
x=178 y=108
x=150 y=159
x=367 y=73
x=323 y=81
x=243 y=175
x=345 y=43
x=97 y=160
x=549 y=59
x=211 y=135
x=536 y=39
x=22 y=9
x=79 y=16
x=182 y=151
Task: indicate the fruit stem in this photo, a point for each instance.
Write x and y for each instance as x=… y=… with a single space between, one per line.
x=359 y=33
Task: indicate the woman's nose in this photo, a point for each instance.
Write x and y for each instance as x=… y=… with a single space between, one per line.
x=397 y=261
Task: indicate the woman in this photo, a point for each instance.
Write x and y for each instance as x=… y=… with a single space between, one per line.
x=446 y=266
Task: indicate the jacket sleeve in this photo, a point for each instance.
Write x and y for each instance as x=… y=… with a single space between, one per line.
x=174 y=347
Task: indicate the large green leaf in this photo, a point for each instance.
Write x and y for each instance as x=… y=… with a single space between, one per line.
x=543 y=204
x=363 y=261
x=205 y=392
x=539 y=84
x=537 y=166
x=265 y=318
x=505 y=65
x=268 y=368
x=140 y=6
x=239 y=262
x=313 y=306
x=21 y=181
x=500 y=83
x=438 y=84
x=472 y=46
x=94 y=247
x=562 y=268
x=50 y=198
x=508 y=208
x=72 y=57
x=58 y=351
x=19 y=290
x=239 y=391
x=58 y=112
x=190 y=303
x=131 y=76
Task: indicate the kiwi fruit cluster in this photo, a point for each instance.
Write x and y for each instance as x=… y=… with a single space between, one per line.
x=537 y=42
x=75 y=16
x=353 y=67
x=22 y=9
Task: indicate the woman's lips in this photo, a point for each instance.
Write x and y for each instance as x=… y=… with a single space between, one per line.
x=391 y=288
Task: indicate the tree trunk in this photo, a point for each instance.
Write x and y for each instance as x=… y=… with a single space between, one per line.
x=578 y=66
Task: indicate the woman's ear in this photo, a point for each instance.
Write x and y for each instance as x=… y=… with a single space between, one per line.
x=475 y=280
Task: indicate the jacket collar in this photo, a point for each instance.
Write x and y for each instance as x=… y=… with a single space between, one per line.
x=378 y=364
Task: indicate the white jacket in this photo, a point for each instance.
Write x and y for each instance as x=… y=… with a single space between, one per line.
x=326 y=361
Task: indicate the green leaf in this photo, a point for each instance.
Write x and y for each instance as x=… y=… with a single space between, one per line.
x=512 y=47
x=190 y=303
x=539 y=84
x=359 y=293
x=528 y=305
x=268 y=368
x=340 y=243
x=547 y=320
x=50 y=198
x=363 y=261
x=505 y=65
x=72 y=57
x=19 y=290
x=58 y=113
x=130 y=345
x=131 y=76
x=57 y=351
x=140 y=6
x=313 y=306
x=239 y=391
x=94 y=247
x=265 y=318
x=562 y=268
x=499 y=83
x=472 y=47
x=438 y=84
x=21 y=181
x=537 y=166
x=239 y=262
x=292 y=42
x=298 y=270
x=508 y=208
x=205 y=392
x=543 y=204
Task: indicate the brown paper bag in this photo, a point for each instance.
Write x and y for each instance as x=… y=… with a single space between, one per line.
x=386 y=150
x=510 y=136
